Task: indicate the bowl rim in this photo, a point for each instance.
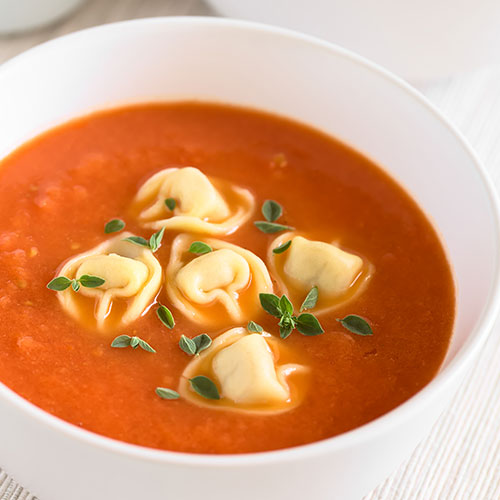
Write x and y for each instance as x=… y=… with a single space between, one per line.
x=376 y=427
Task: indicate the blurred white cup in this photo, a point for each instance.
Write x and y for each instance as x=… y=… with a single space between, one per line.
x=24 y=15
x=417 y=39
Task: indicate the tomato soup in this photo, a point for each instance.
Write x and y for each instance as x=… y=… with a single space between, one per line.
x=58 y=191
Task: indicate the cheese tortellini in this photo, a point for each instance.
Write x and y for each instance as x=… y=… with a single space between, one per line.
x=202 y=205
x=307 y=263
x=244 y=367
x=132 y=277
x=216 y=288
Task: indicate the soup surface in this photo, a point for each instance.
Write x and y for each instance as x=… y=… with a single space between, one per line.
x=58 y=191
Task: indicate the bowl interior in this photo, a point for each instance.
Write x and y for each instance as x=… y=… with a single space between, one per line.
x=274 y=71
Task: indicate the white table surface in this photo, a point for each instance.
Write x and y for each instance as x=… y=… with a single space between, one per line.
x=461 y=457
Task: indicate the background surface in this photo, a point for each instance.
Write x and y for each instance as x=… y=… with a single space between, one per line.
x=460 y=459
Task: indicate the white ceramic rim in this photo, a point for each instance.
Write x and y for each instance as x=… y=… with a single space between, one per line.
x=378 y=426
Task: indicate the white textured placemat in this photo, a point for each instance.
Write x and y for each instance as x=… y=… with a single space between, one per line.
x=460 y=460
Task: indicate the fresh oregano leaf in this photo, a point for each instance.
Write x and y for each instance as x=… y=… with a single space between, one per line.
x=310 y=300
x=138 y=240
x=356 y=324
x=285 y=331
x=59 y=284
x=271 y=210
x=204 y=387
x=254 y=327
x=165 y=316
x=75 y=285
x=271 y=227
x=271 y=304
x=307 y=324
x=155 y=240
x=114 y=226
x=89 y=281
x=170 y=203
x=283 y=247
x=145 y=346
x=286 y=306
x=134 y=342
x=199 y=248
x=121 y=341
x=202 y=342
x=166 y=393
x=187 y=345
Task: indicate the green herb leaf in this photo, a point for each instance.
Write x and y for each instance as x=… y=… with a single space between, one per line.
x=165 y=393
x=134 y=342
x=286 y=306
x=310 y=300
x=187 y=345
x=356 y=324
x=165 y=316
x=283 y=247
x=114 y=226
x=138 y=240
x=271 y=227
x=271 y=304
x=89 y=281
x=75 y=285
x=285 y=331
x=204 y=387
x=254 y=327
x=307 y=324
x=121 y=341
x=59 y=284
x=271 y=210
x=198 y=247
x=155 y=240
x=202 y=342
x=170 y=203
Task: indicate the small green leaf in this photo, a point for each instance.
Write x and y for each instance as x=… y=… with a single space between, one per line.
x=356 y=324
x=254 y=327
x=198 y=247
x=204 y=387
x=285 y=306
x=155 y=240
x=170 y=203
x=271 y=210
x=285 y=331
x=59 y=284
x=271 y=227
x=89 y=281
x=187 y=345
x=310 y=300
x=121 y=341
x=138 y=240
x=114 y=226
x=75 y=285
x=307 y=324
x=270 y=303
x=202 y=342
x=134 y=342
x=283 y=247
x=165 y=393
x=165 y=316
x=145 y=346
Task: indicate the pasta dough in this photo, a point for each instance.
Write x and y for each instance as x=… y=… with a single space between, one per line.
x=132 y=276
x=203 y=205
x=308 y=263
x=244 y=367
x=220 y=287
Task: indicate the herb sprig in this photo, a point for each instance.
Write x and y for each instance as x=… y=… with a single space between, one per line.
x=272 y=211
x=194 y=346
x=134 y=342
x=153 y=243
x=282 y=308
x=88 y=281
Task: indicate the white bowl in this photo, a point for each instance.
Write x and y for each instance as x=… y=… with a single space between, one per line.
x=308 y=80
x=418 y=40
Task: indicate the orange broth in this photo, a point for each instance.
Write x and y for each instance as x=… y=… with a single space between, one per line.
x=56 y=193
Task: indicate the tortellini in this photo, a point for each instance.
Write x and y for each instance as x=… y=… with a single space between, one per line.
x=132 y=277
x=202 y=205
x=307 y=263
x=244 y=367
x=216 y=288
